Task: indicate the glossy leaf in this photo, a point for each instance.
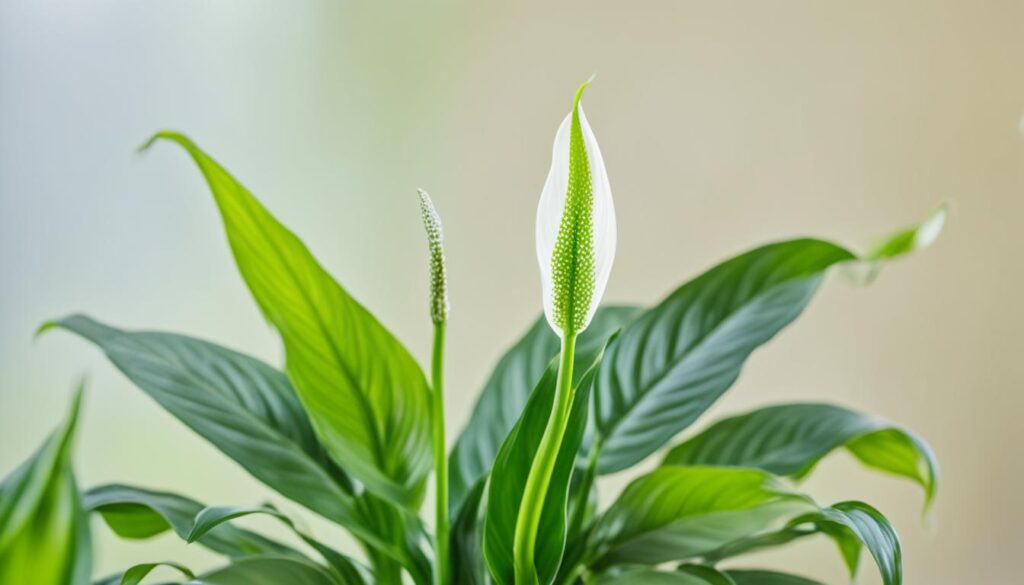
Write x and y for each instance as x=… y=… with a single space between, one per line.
x=367 y=397
x=250 y=412
x=876 y=533
x=790 y=439
x=677 y=358
x=508 y=388
x=468 y=563
x=645 y=576
x=44 y=532
x=676 y=513
x=511 y=469
x=213 y=518
x=137 y=513
x=268 y=571
x=751 y=577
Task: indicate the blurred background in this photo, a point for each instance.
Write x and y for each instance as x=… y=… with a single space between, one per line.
x=723 y=124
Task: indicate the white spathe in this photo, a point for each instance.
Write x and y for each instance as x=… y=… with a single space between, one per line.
x=552 y=205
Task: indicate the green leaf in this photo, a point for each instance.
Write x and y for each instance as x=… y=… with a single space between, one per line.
x=213 y=518
x=135 y=575
x=44 y=532
x=676 y=513
x=683 y=576
x=790 y=439
x=511 y=469
x=250 y=412
x=876 y=533
x=137 y=513
x=672 y=362
x=749 y=577
x=268 y=571
x=506 y=392
x=367 y=397
x=468 y=563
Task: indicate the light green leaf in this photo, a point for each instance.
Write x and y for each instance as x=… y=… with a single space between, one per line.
x=749 y=577
x=507 y=390
x=135 y=575
x=366 y=396
x=790 y=439
x=676 y=513
x=137 y=513
x=672 y=362
x=44 y=532
x=209 y=519
x=511 y=469
x=268 y=571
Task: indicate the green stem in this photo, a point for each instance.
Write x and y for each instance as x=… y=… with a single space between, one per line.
x=539 y=478
x=443 y=575
x=579 y=512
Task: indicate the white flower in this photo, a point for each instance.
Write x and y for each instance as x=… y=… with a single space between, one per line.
x=576 y=231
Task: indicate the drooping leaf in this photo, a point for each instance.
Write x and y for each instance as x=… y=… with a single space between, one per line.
x=511 y=469
x=678 y=513
x=366 y=396
x=681 y=576
x=246 y=409
x=753 y=577
x=134 y=575
x=137 y=513
x=268 y=571
x=44 y=532
x=674 y=360
x=875 y=532
x=506 y=392
x=213 y=518
x=790 y=439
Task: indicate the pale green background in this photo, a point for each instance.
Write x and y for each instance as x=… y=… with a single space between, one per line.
x=723 y=125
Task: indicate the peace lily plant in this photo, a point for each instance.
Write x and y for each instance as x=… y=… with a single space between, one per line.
x=351 y=428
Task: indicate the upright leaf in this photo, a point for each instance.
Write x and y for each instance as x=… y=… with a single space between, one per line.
x=44 y=533
x=875 y=532
x=367 y=397
x=678 y=513
x=138 y=513
x=468 y=563
x=790 y=439
x=511 y=469
x=507 y=390
x=677 y=358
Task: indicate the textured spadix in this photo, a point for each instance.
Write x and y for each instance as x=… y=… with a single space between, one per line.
x=438 y=270
x=576 y=231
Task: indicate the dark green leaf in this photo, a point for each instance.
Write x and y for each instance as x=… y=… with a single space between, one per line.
x=790 y=439
x=511 y=469
x=875 y=532
x=44 y=532
x=268 y=571
x=467 y=540
x=367 y=397
x=249 y=411
x=507 y=390
x=675 y=360
x=747 y=577
x=685 y=575
x=137 y=513
x=210 y=519
x=676 y=513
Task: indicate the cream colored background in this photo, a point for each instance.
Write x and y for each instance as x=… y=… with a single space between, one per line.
x=723 y=125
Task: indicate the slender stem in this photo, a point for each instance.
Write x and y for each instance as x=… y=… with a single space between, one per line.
x=579 y=512
x=539 y=478
x=443 y=576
